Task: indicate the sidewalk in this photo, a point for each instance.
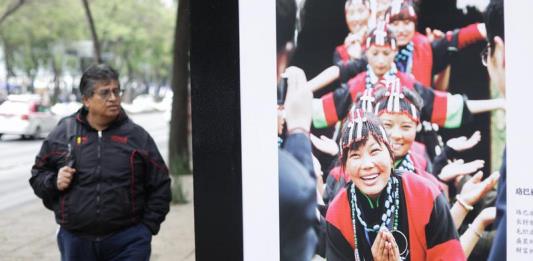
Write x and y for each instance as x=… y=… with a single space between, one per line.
x=28 y=233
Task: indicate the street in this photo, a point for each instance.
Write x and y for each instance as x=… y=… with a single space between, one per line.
x=27 y=228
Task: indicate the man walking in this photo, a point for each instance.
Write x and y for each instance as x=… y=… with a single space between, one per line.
x=103 y=177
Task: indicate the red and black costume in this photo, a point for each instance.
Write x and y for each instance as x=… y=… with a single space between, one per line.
x=421 y=58
x=442 y=108
x=424 y=219
x=430 y=58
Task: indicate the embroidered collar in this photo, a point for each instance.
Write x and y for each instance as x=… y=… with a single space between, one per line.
x=372 y=78
x=405 y=164
x=404 y=58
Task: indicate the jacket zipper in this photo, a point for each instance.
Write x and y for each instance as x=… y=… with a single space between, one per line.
x=98 y=173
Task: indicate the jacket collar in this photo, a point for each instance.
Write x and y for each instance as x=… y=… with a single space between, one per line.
x=81 y=117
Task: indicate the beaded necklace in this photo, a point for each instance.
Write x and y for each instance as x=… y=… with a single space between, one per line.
x=404 y=58
x=406 y=164
x=392 y=205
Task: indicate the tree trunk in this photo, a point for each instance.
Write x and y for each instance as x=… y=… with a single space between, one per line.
x=96 y=43
x=179 y=156
x=57 y=74
x=11 y=10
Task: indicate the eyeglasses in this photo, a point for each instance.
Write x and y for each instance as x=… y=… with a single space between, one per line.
x=484 y=55
x=106 y=93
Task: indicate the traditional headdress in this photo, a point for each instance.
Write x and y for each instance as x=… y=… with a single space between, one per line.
x=350 y=2
x=392 y=97
x=357 y=128
x=380 y=36
x=402 y=10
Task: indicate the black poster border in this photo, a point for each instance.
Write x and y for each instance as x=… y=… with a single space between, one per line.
x=216 y=130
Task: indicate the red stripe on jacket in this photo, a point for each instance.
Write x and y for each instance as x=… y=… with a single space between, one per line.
x=343 y=53
x=420 y=164
x=337 y=173
x=422 y=59
x=420 y=198
x=445 y=251
x=469 y=35
x=330 y=111
x=340 y=216
x=440 y=107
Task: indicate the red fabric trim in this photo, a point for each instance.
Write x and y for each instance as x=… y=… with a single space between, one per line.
x=339 y=216
x=330 y=112
x=132 y=188
x=449 y=250
x=420 y=163
x=357 y=85
x=343 y=53
x=119 y=139
x=406 y=80
x=440 y=107
x=337 y=173
x=419 y=197
x=163 y=168
x=41 y=161
x=469 y=35
x=62 y=209
x=419 y=149
x=422 y=59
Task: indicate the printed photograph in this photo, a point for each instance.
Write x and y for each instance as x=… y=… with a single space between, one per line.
x=391 y=129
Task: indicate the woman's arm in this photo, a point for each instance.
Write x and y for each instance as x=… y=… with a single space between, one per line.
x=479 y=106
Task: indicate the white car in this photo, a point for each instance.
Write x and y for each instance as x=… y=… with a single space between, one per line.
x=25 y=115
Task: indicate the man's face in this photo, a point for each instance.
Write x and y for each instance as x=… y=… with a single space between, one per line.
x=105 y=100
x=496 y=65
x=380 y=58
x=403 y=30
x=401 y=131
x=357 y=15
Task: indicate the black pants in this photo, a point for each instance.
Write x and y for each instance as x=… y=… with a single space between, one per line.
x=133 y=243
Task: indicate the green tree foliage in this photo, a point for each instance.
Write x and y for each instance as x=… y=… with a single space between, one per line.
x=135 y=36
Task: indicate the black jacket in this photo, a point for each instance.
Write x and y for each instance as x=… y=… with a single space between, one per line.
x=120 y=179
x=297 y=200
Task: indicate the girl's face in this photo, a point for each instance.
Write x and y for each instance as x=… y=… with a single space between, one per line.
x=380 y=58
x=403 y=30
x=357 y=15
x=369 y=167
x=401 y=131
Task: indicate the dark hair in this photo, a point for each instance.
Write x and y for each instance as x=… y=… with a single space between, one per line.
x=285 y=22
x=494 y=21
x=371 y=127
x=388 y=38
x=351 y=2
x=382 y=95
x=404 y=10
x=98 y=73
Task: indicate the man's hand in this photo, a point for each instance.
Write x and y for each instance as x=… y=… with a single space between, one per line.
x=64 y=177
x=461 y=143
x=298 y=104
